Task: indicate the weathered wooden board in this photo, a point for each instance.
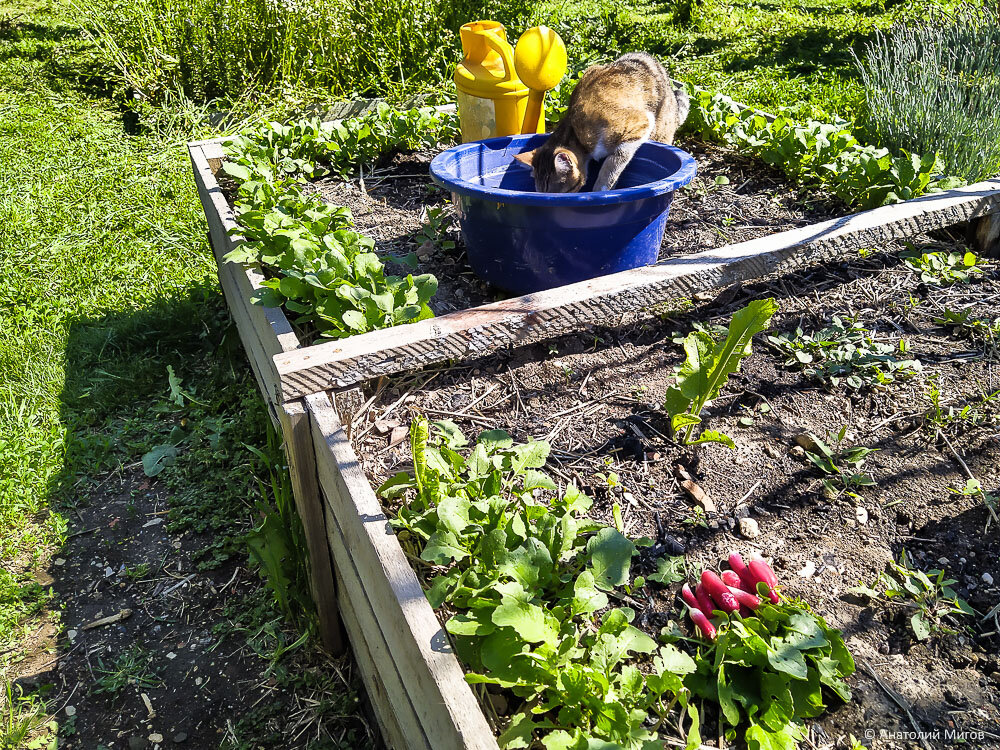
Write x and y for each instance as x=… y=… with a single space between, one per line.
x=394 y=711
x=417 y=647
x=301 y=454
x=534 y=317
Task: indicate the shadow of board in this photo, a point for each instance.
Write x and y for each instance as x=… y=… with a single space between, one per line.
x=119 y=561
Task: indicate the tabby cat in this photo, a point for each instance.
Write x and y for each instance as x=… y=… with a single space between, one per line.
x=614 y=109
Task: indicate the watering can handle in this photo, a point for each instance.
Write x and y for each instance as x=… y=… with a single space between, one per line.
x=502 y=48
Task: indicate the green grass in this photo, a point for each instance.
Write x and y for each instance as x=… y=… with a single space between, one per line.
x=96 y=227
x=768 y=53
x=106 y=280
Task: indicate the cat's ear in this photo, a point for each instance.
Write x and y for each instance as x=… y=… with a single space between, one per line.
x=527 y=158
x=565 y=162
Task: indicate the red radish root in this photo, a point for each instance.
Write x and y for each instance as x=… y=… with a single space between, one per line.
x=702 y=622
x=740 y=567
x=705 y=603
x=719 y=592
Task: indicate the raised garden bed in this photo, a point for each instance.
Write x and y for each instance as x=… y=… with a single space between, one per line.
x=598 y=397
x=413 y=679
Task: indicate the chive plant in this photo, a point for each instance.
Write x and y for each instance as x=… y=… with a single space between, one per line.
x=933 y=86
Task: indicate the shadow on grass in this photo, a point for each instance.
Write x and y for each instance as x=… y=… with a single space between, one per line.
x=806 y=51
x=167 y=635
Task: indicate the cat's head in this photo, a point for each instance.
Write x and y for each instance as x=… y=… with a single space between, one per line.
x=556 y=170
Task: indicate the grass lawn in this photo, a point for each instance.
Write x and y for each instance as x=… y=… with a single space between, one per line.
x=108 y=285
x=768 y=53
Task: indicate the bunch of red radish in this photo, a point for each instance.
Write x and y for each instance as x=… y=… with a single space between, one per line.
x=733 y=590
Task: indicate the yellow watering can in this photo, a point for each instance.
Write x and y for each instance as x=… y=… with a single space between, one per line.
x=500 y=90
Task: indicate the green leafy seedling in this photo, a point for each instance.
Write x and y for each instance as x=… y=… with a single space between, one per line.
x=936 y=605
x=940 y=268
x=706 y=370
x=841 y=465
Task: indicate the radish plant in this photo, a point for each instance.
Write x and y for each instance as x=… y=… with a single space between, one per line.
x=320 y=269
x=820 y=153
x=769 y=659
x=526 y=578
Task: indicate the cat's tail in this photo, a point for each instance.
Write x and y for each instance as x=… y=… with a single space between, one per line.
x=683 y=104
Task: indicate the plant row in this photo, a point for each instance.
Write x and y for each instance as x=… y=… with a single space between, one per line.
x=534 y=588
x=819 y=153
x=316 y=265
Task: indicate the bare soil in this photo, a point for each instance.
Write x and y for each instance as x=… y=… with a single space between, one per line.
x=183 y=661
x=596 y=397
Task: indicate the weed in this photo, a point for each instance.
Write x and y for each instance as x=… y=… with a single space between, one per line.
x=974 y=488
x=841 y=465
x=941 y=268
x=434 y=233
x=21 y=718
x=611 y=480
x=132 y=667
x=137 y=572
x=972 y=413
x=697 y=518
x=707 y=368
x=963 y=323
x=669 y=569
x=845 y=352
x=936 y=604
x=277 y=543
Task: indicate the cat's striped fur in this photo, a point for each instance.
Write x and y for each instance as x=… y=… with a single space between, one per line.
x=614 y=109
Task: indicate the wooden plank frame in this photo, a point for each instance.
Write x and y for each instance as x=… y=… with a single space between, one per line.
x=413 y=679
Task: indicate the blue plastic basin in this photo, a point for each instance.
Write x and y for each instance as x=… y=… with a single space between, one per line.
x=524 y=241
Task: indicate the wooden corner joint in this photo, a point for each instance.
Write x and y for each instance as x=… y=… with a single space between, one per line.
x=347 y=401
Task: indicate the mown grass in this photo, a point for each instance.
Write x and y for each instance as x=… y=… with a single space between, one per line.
x=793 y=54
x=106 y=280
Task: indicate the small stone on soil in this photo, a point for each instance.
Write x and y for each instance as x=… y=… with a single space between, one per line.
x=987 y=579
x=71 y=710
x=806 y=441
x=808 y=570
x=180 y=737
x=861 y=514
x=749 y=528
x=156 y=737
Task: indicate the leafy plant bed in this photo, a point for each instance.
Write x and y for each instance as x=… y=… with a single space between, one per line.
x=410 y=672
x=733 y=199
x=834 y=518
